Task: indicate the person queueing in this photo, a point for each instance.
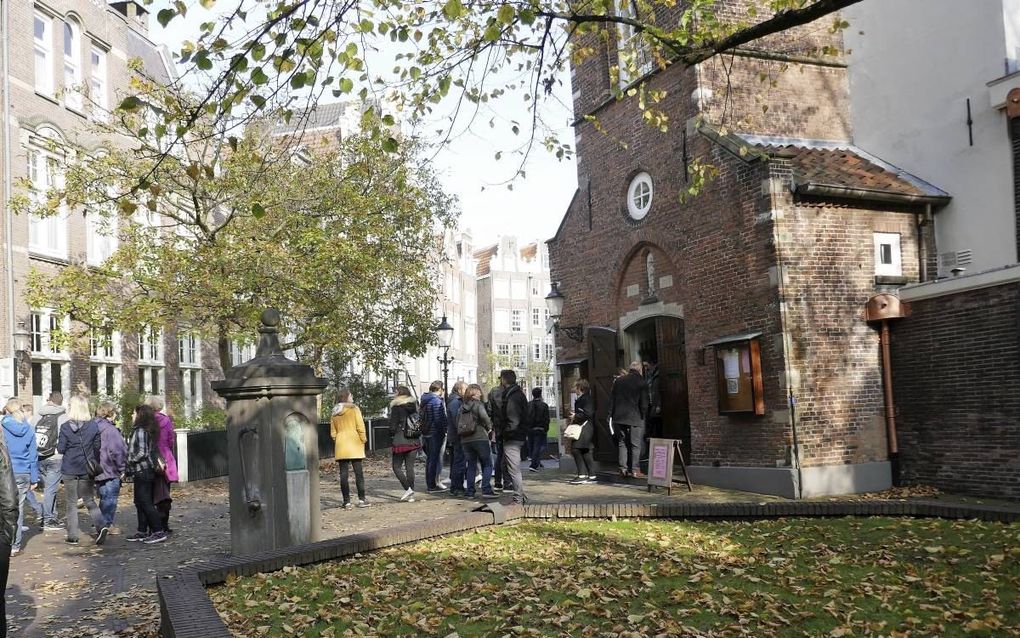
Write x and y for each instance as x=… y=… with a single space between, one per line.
x=628 y=408
x=515 y=431
x=434 y=435
x=494 y=406
x=347 y=427
x=475 y=443
x=78 y=442
x=538 y=434
x=141 y=466
x=8 y=523
x=580 y=449
x=165 y=447
x=20 y=439
x=405 y=434
x=453 y=407
x=47 y=427
x=112 y=462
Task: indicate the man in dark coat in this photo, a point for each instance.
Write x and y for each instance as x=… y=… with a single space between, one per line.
x=628 y=408
x=453 y=405
x=539 y=434
x=516 y=422
x=434 y=435
x=494 y=406
x=8 y=525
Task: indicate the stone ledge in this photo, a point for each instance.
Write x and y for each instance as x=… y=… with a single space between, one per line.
x=186 y=610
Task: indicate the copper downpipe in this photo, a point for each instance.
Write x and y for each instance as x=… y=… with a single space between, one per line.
x=890 y=405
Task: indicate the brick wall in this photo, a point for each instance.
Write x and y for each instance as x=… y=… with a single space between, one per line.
x=956 y=380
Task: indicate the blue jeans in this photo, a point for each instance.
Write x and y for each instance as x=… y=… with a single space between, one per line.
x=456 y=460
x=434 y=457
x=109 y=492
x=536 y=447
x=49 y=476
x=476 y=452
x=23 y=481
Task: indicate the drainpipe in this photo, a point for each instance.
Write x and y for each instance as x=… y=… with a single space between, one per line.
x=920 y=221
x=7 y=181
x=890 y=406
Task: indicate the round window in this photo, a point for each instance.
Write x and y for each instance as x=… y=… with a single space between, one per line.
x=639 y=196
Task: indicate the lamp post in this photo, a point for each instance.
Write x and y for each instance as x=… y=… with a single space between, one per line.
x=444 y=332
x=554 y=301
x=22 y=341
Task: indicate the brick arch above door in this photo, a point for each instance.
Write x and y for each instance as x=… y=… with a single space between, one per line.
x=646 y=276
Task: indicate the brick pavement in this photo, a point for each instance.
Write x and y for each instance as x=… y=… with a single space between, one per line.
x=58 y=591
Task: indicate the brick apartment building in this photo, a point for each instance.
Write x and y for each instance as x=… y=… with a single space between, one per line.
x=64 y=65
x=749 y=295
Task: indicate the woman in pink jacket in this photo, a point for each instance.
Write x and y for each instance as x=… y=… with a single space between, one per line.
x=165 y=445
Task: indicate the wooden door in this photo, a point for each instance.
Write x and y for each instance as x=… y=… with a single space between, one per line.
x=676 y=418
x=602 y=365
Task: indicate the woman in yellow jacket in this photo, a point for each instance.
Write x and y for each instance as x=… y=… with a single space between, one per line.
x=347 y=428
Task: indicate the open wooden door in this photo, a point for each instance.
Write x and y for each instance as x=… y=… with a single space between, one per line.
x=676 y=417
x=603 y=363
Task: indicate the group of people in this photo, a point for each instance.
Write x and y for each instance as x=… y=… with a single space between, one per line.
x=88 y=455
x=488 y=436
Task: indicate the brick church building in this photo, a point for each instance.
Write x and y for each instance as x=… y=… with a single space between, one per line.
x=749 y=295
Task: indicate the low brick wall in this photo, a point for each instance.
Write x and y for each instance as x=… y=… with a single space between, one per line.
x=187 y=612
x=956 y=381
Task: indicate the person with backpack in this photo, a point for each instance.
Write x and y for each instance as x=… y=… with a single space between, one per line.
x=516 y=419
x=141 y=466
x=20 y=439
x=405 y=432
x=78 y=442
x=47 y=428
x=112 y=461
x=539 y=432
x=453 y=407
x=347 y=427
x=474 y=428
x=434 y=433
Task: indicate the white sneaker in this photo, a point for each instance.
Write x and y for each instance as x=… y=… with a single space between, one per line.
x=443 y=484
x=409 y=500
x=408 y=495
x=363 y=504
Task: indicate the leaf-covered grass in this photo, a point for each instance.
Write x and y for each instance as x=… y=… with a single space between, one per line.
x=791 y=577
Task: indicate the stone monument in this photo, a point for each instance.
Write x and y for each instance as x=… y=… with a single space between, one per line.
x=272 y=447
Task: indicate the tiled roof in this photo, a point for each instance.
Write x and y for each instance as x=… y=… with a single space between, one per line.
x=315 y=117
x=154 y=63
x=529 y=252
x=836 y=166
x=484 y=256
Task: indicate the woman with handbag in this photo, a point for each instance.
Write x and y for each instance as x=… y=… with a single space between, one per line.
x=583 y=419
x=78 y=442
x=347 y=427
x=405 y=431
x=143 y=459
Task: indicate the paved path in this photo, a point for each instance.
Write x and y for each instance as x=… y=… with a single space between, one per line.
x=61 y=591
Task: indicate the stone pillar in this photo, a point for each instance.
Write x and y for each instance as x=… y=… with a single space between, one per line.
x=272 y=447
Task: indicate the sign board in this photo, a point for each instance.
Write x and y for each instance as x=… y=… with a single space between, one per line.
x=660 y=462
x=7 y=388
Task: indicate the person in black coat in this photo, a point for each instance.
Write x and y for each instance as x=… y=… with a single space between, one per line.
x=581 y=449
x=628 y=408
x=8 y=526
x=539 y=431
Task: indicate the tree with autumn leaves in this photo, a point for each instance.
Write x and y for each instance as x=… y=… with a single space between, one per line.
x=341 y=237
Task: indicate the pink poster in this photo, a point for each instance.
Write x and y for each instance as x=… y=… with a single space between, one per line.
x=660 y=461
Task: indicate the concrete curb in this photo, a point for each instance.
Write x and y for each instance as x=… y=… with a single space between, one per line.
x=186 y=610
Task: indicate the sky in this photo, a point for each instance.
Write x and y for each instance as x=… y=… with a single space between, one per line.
x=467 y=165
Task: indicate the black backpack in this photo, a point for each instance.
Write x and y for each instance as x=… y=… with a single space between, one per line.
x=412 y=424
x=46 y=435
x=466 y=422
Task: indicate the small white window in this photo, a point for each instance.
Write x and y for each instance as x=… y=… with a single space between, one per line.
x=639 y=196
x=98 y=84
x=103 y=345
x=517 y=321
x=101 y=237
x=46 y=235
x=536 y=350
x=150 y=345
x=888 y=260
x=72 y=65
x=520 y=355
x=536 y=317
x=502 y=321
x=189 y=349
x=503 y=349
x=43 y=53
x=633 y=54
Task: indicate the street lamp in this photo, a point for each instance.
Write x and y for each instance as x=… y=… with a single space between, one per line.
x=444 y=333
x=22 y=342
x=554 y=301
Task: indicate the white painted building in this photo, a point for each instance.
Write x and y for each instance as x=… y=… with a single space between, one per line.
x=928 y=84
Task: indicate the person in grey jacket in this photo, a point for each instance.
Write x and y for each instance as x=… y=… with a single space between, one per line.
x=476 y=444
x=628 y=408
x=8 y=526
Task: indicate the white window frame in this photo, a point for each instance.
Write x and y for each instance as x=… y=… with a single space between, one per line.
x=100 y=237
x=150 y=346
x=631 y=47
x=192 y=398
x=145 y=373
x=536 y=350
x=550 y=350
x=101 y=372
x=520 y=354
x=104 y=347
x=516 y=320
x=72 y=64
x=640 y=194
x=189 y=350
x=42 y=322
x=46 y=235
x=895 y=268
x=98 y=83
x=503 y=349
x=536 y=317
x=239 y=353
x=46 y=381
x=43 y=48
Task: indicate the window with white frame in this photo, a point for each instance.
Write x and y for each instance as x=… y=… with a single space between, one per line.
x=550 y=350
x=47 y=235
x=536 y=350
x=42 y=48
x=639 y=196
x=888 y=260
x=503 y=350
x=189 y=350
x=44 y=330
x=469 y=303
x=98 y=88
x=191 y=390
x=104 y=345
x=502 y=320
x=520 y=355
x=519 y=289
x=151 y=379
x=72 y=65
x=50 y=368
x=104 y=378
x=517 y=320
x=536 y=317
x=150 y=344
x=48 y=376
x=100 y=237
x=239 y=352
x=470 y=340
x=633 y=54
x=534 y=287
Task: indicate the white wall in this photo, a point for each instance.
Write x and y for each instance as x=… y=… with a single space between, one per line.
x=913 y=64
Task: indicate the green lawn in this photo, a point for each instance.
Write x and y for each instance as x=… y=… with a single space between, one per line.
x=792 y=577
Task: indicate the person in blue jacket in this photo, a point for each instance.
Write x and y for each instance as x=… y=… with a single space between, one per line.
x=20 y=438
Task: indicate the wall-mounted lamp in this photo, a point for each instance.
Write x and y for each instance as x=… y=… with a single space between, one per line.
x=554 y=301
x=22 y=339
